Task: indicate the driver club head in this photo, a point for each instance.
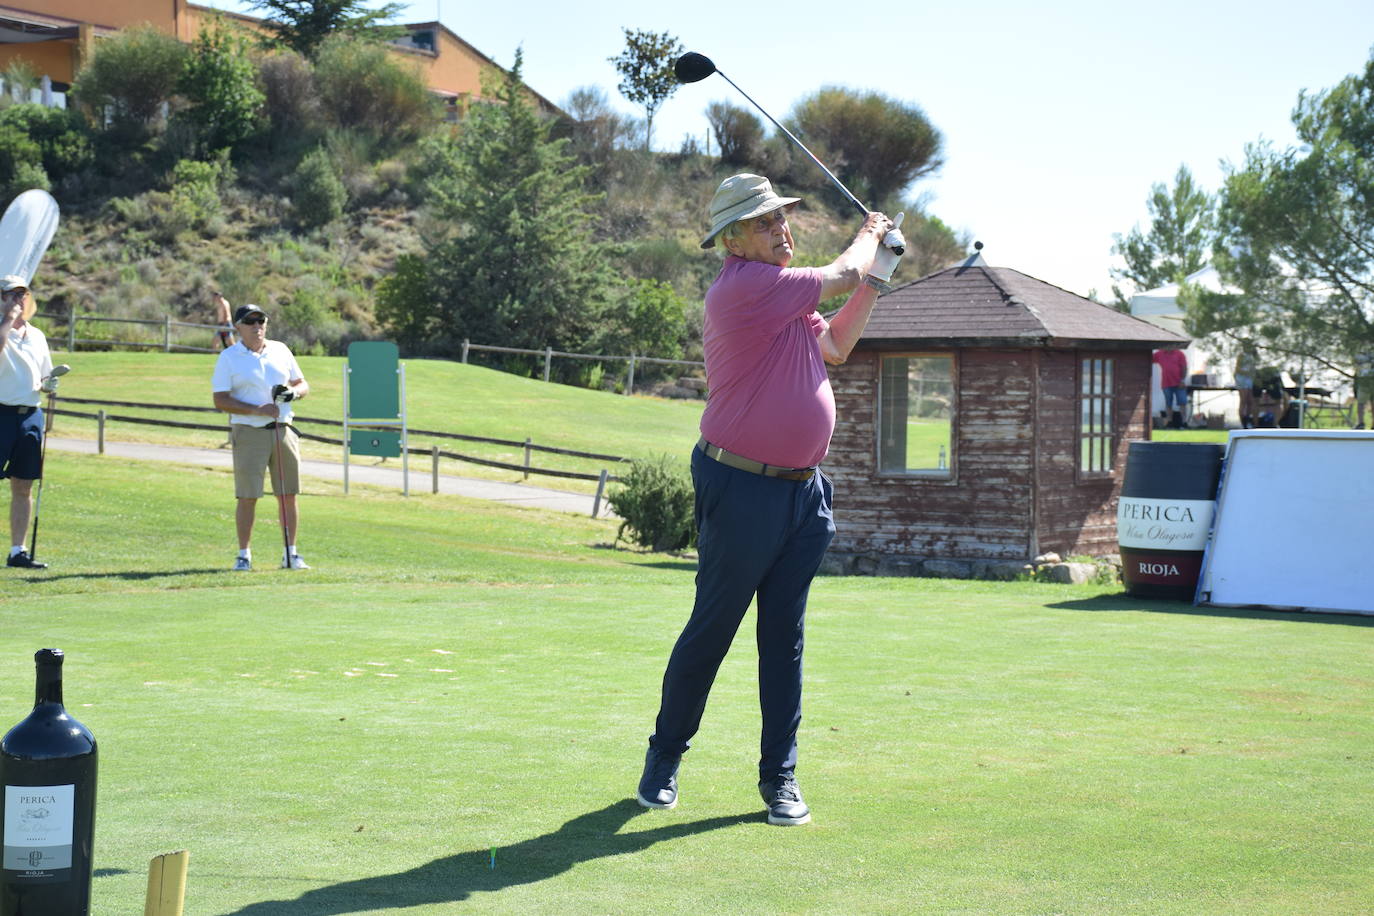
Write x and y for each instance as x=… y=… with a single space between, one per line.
x=693 y=67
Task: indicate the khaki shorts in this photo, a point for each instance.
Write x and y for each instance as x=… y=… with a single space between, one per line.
x=253 y=453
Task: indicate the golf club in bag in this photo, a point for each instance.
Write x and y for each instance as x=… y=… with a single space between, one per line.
x=57 y=373
x=693 y=68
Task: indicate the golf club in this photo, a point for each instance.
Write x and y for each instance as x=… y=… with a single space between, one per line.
x=57 y=373
x=693 y=68
x=280 y=487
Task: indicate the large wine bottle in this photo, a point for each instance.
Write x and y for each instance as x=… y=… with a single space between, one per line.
x=47 y=769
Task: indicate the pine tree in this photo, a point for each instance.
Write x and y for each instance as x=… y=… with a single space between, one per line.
x=1182 y=229
x=519 y=265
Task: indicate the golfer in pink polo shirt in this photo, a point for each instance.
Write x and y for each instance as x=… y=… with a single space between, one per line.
x=762 y=503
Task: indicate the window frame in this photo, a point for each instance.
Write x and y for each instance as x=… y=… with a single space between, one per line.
x=1091 y=405
x=950 y=473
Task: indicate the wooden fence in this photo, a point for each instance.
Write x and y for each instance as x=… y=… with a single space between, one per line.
x=166 y=342
x=548 y=353
x=103 y=418
x=163 y=341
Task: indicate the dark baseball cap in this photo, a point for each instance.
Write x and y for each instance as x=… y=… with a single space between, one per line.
x=243 y=311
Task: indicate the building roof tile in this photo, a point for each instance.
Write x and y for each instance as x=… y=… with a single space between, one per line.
x=973 y=304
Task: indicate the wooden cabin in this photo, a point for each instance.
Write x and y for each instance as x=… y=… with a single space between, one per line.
x=983 y=420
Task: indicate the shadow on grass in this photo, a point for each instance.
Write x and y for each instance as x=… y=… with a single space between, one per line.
x=671 y=559
x=128 y=575
x=1127 y=603
x=450 y=879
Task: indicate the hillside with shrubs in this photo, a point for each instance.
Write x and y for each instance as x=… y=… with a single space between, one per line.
x=331 y=190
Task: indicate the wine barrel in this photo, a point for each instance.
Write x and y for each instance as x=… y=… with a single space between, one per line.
x=1164 y=514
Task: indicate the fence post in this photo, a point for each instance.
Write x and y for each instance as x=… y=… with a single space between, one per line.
x=600 y=488
x=527 y=457
x=71 y=331
x=434 y=458
x=100 y=431
x=167 y=334
x=630 y=383
x=465 y=349
x=548 y=358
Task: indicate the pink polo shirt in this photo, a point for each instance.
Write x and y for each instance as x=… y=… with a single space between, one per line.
x=770 y=394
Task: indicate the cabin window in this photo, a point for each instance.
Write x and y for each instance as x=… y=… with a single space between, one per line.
x=1095 y=446
x=916 y=415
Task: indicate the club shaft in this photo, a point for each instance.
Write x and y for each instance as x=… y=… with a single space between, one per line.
x=277 y=435
x=802 y=146
x=42 y=468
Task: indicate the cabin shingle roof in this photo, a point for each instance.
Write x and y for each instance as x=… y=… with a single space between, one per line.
x=972 y=304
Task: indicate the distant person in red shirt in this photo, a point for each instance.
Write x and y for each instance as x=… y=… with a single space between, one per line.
x=1173 y=373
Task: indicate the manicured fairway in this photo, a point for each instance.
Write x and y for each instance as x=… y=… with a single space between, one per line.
x=456 y=677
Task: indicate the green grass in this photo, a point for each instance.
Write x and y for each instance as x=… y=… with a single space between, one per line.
x=442 y=396
x=456 y=676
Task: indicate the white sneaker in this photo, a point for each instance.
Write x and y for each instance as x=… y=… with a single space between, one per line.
x=295 y=563
x=243 y=564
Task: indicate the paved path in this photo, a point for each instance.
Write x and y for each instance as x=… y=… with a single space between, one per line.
x=421 y=479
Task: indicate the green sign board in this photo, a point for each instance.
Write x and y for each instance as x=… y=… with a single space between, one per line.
x=384 y=443
x=374 y=382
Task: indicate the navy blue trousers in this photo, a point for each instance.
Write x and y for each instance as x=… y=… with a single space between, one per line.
x=761 y=536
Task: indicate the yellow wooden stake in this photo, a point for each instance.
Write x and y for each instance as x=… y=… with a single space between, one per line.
x=166 y=884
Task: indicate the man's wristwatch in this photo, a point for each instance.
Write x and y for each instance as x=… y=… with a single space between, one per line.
x=876 y=283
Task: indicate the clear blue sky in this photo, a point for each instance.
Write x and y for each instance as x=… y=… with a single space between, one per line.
x=1057 y=116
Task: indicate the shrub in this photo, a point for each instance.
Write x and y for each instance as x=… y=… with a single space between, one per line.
x=195 y=193
x=219 y=82
x=17 y=149
x=657 y=504
x=29 y=175
x=405 y=303
x=876 y=144
x=291 y=103
x=738 y=133
x=649 y=320
x=317 y=193
x=362 y=87
x=21 y=79
x=130 y=76
x=61 y=142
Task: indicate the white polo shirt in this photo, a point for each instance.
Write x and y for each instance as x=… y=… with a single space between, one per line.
x=250 y=377
x=24 y=363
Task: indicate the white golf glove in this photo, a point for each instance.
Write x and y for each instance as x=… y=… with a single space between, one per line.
x=885 y=261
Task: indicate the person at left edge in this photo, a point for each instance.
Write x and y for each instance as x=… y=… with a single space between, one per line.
x=25 y=370
x=256 y=381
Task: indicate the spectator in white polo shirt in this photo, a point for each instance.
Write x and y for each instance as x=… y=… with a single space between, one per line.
x=25 y=370
x=256 y=381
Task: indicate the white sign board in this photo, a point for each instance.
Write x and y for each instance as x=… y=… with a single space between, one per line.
x=1294 y=524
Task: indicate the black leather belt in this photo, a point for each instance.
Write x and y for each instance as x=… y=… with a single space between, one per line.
x=12 y=409
x=730 y=459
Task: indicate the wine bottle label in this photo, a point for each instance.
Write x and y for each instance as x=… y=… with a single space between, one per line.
x=38 y=829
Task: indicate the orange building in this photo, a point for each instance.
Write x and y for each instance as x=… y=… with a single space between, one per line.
x=55 y=36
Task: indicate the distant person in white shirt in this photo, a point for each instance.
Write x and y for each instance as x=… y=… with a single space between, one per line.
x=25 y=372
x=256 y=380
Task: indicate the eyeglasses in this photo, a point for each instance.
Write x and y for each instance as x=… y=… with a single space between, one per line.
x=261 y=319
x=766 y=222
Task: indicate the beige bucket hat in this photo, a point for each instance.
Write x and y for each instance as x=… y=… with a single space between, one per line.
x=742 y=197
